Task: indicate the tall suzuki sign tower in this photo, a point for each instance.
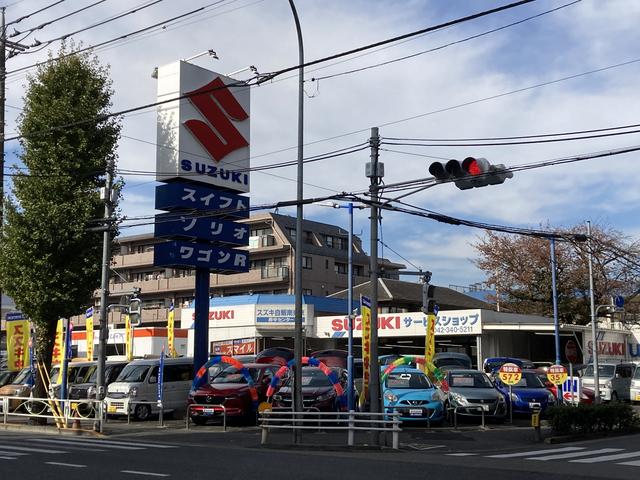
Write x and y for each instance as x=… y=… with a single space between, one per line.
x=203 y=163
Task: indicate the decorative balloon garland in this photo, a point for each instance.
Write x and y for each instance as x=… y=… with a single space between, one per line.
x=429 y=367
x=201 y=376
x=312 y=362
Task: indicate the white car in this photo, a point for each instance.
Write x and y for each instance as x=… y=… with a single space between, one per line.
x=614 y=379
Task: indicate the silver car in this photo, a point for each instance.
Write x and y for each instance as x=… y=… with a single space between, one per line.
x=472 y=393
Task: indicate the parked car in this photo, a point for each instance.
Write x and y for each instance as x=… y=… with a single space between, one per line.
x=528 y=394
x=542 y=375
x=493 y=364
x=472 y=392
x=87 y=390
x=77 y=372
x=544 y=366
x=634 y=391
x=452 y=361
x=228 y=392
x=318 y=393
x=7 y=377
x=21 y=386
x=409 y=391
x=275 y=355
x=331 y=357
x=614 y=379
x=136 y=388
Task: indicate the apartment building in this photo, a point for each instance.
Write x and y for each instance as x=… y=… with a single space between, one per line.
x=272 y=250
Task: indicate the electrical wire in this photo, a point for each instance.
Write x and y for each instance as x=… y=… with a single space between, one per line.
x=431 y=50
x=24 y=17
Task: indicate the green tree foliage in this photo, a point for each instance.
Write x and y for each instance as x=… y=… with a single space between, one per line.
x=519 y=268
x=50 y=260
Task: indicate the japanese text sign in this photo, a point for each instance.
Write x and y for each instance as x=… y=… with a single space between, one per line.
x=510 y=373
x=557 y=374
x=200 y=255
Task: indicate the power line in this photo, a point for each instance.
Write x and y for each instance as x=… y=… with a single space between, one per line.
x=24 y=17
x=395 y=39
x=431 y=50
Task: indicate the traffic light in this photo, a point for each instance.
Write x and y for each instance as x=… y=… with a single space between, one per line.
x=428 y=297
x=469 y=173
x=135 y=308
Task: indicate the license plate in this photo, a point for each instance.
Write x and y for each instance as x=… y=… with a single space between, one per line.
x=638 y=397
x=208 y=411
x=415 y=412
x=534 y=404
x=74 y=405
x=111 y=409
x=485 y=407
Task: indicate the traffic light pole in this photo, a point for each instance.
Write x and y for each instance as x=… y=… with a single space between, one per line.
x=375 y=171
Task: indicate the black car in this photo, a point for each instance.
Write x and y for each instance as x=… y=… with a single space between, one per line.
x=318 y=393
x=87 y=390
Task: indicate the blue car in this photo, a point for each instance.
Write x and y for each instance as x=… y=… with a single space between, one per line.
x=528 y=394
x=409 y=391
x=492 y=364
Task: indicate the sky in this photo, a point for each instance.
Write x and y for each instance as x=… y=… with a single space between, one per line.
x=571 y=69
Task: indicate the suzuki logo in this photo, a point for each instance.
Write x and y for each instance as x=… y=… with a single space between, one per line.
x=217 y=104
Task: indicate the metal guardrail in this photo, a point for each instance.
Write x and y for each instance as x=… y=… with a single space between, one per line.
x=472 y=407
x=214 y=407
x=350 y=421
x=66 y=413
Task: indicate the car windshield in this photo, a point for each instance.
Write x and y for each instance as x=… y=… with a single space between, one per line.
x=469 y=380
x=449 y=361
x=232 y=375
x=604 y=371
x=408 y=380
x=23 y=377
x=311 y=377
x=529 y=380
x=636 y=375
x=133 y=373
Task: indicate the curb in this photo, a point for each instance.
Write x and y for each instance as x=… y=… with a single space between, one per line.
x=576 y=437
x=50 y=430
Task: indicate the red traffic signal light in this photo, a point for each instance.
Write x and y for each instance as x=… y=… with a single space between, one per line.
x=469 y=173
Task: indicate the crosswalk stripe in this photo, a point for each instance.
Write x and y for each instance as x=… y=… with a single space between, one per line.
x=13 y=453
x=575 y=454
x=66 y=442
x=536 y=452
x=634 y=463
x=133 y=444
x=136 y=472
x=30 y=449
x=60 y=464
x=606 y=458
x=7 y=458
x=460 y=454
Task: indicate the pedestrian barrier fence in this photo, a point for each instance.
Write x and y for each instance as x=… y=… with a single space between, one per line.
x=482 y=409
x=208 y=408
x=350 y=421
x=65 y=413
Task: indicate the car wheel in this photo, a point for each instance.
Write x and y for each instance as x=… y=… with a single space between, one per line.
x=199 y=420
x=141 y=412
x=614 y=397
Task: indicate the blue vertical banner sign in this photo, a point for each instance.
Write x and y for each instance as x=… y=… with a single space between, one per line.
x=161 y=377
x=202 y=159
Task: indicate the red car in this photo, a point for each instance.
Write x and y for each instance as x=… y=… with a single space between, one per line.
x=228 y=392
x=586 y=394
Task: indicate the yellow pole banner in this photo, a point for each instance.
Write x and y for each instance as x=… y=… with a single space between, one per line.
x=128 y=338
x=365 y=312
x=430 y=340
x=89 y=332
x=58 y=344
x=17 y=344
x=170 y=331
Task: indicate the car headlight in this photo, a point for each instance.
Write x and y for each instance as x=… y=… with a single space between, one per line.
x=514 y=397
x=277 y=397
x=457 y=398
x=325 y=396
x=133 y=392
x=389 y=396
x=91 y=392
x=436 y=396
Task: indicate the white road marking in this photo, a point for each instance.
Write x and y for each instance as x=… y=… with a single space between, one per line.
x=66 y=464
x=8 y=458
x=460 y=454
x=66 y=442
x=576 y=454
x=635 y=463
x=29 y=449
x=536 y=452
x=12 y=453
x=134 y=472
x=133 y=444
x=606 y=458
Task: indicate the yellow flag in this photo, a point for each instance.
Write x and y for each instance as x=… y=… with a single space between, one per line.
x=365 y=312
x=128 y=338
x=17 y=344
x=89 y=332
x=430 y=340
x=170 y=331
x=58 y=345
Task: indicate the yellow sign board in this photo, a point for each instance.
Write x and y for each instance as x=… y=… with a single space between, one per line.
x=557 y=374
x=510 y=373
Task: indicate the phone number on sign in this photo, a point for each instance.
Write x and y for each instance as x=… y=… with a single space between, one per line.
x=440 y=330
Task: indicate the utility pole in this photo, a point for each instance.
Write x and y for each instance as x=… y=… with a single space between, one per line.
x=375 y=171
x=594 y=322
x=107 y=195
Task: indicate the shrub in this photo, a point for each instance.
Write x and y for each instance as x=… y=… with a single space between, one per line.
x=586 y=418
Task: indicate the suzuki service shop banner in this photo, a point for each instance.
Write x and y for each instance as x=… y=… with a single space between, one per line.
x=413 y=324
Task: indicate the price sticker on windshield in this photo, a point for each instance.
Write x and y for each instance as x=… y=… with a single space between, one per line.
x=557 y=374
x=510 y=373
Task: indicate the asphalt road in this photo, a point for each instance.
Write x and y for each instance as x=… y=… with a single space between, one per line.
x=206 y=455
